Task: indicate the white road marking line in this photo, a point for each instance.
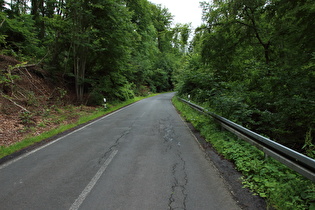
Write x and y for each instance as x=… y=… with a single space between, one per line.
x=142 y=115
x=50 y=143
x=77 y=203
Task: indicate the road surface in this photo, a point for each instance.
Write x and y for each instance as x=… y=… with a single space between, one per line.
x=140 y=157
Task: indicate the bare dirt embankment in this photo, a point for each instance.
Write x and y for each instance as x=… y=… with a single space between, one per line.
x=31 y=102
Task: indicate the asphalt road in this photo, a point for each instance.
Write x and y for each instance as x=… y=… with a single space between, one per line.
x=141 y=157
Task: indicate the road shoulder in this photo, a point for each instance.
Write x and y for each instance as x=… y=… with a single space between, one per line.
x=244 y=197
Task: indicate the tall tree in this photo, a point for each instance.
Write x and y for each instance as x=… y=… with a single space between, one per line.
x=162 y=22
x=257 y=64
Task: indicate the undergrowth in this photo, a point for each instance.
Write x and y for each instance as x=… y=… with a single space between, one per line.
x=83 y=118
x=282 y=187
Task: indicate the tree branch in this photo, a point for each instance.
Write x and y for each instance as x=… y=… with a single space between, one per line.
x=23 y=66
x=15 y=103
x=2 y=22
x=245 y=24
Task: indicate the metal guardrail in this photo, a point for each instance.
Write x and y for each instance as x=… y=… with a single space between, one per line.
x=294 y=160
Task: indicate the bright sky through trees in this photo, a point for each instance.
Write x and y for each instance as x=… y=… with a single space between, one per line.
x=188 y=11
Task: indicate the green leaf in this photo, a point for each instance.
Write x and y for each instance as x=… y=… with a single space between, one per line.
x=263 y=195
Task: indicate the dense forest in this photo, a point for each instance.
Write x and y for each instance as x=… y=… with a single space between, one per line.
x=252 y=62
x=101 y=48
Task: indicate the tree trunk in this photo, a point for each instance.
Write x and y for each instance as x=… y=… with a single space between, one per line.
x=79 y=73
x=267 y=51
x=254 y=26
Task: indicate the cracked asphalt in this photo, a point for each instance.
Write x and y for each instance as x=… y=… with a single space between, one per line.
x=141 y=157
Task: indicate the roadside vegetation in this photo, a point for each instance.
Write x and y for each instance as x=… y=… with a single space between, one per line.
x=117 y=49
x=252 y=62
x=59 y=119
x=60 y=58
x=282 y=187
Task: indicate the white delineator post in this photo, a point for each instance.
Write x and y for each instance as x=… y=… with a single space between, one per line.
x=105 y=103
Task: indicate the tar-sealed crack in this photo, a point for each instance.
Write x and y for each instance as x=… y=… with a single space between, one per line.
x=167 y=131
x=178 y=197
x=116 y=143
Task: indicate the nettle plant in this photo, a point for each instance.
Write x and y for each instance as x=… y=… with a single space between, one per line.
x=282 y=187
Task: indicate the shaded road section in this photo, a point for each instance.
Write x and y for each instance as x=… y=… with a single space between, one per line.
x=140 y=157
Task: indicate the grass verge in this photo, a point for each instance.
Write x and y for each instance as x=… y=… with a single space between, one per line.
x=86 y=117
x=282 y=187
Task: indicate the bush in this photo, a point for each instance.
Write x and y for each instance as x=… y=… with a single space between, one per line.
x=282 y=187
x=95 y=98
